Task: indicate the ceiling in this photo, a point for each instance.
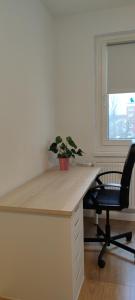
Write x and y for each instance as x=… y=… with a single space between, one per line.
x=65 y=7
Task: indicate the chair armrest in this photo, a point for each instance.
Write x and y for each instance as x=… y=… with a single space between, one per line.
x=116 y=185
x=105 y=173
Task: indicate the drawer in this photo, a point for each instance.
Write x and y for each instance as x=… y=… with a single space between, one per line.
x=78 y=243
x=78 y=282
x=77 y=222
x=78 y=263
x=77 y=229
x=77 y=214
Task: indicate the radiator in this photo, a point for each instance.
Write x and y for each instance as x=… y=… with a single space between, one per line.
x=113 y=166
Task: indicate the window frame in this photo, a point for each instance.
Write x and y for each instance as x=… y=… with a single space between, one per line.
x=103 y=145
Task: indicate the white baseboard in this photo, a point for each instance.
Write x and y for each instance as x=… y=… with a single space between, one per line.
x=126 y=215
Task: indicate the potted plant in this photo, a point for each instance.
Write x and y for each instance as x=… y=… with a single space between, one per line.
x=65 y=150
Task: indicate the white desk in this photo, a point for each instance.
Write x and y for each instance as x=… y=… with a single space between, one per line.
x=41 y=236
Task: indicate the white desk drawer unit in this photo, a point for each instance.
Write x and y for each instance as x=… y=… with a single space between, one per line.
x=78 y=250
x=42 y=222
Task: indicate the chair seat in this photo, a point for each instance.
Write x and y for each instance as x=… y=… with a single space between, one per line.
x=103 y=199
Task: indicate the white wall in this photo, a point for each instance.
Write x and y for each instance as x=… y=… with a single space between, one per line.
x=26 y=90
x=75 y=77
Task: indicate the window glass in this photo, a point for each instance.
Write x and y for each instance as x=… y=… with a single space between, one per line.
x=121 y=116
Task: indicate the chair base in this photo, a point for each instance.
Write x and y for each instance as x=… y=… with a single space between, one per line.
x=107 y=239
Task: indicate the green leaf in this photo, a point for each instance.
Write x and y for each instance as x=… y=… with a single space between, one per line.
x=53 y=148
x=63 y=146
x=58 y=139
x=73 y=151
x=131 y=100
x=79 y=152
x=71 y=142
x=69 y=153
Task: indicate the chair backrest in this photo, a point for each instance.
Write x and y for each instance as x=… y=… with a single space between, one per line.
x=126 y=177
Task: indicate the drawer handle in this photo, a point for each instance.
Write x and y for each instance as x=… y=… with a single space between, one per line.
x=76 y=209
x=78 y=274
x=77 y=255
x=76 y=237
x=76 y=222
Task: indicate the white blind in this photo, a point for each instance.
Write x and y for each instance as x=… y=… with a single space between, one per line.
x=121 y=68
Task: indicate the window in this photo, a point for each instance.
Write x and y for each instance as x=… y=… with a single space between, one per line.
x=115 y=90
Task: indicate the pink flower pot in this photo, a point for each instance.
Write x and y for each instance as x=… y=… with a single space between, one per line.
x=64 y=164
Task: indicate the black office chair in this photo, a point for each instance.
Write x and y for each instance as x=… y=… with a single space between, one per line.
x=111 y=197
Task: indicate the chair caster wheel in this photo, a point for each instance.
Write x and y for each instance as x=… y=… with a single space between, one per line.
x=129 y=237
x=101 y=263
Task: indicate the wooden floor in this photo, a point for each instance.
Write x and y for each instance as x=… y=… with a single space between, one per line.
x=117 y=280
